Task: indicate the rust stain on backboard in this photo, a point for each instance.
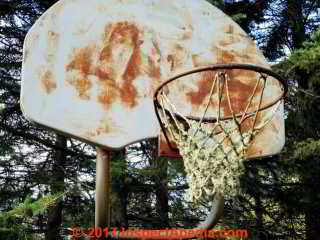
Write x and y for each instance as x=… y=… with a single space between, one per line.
x=177 y=57
x=204 y=85
x=81 y=62
x=117 y=66
x=100 y=130
x=121 y=36
x=154 y=69
x=229 y=28
x=48 y=83
x=225 y=56
x=239 y=90
x=228 y=53
x=82 y=85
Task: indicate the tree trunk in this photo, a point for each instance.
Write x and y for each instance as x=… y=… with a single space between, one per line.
x=258 y=209
x=162 y=206
x=312 y=209
x=119 y=195
x=57 y=185
x=296 y=20
x=161 y=183
x=312 y=217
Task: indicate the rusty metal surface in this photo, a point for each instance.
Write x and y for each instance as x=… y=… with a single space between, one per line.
x=90 y=69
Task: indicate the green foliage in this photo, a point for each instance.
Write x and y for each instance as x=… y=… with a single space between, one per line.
x=238 y=14
x=15 y=223
x=300 y=161
x=285 y=26
x=308 y=59
x=29 y=208
x=305 y=159
x=303 y=76
x=307 y=149
x=218 y=3
x=118 y=165
x=239 y=17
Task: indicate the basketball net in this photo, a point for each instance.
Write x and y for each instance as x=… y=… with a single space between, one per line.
x=214 y=152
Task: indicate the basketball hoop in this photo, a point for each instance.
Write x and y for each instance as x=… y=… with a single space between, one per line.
x=214 y=147
x=96 y=83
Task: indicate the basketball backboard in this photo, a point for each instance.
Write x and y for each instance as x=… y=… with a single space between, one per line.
x=90 y=69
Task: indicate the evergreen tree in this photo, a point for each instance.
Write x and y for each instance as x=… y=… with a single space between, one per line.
x=279 y=193
x=285 y=25
x=33 y=161
x=303 y=128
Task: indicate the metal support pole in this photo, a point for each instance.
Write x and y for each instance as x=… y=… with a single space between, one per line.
x=103 y=185
x=103 y=204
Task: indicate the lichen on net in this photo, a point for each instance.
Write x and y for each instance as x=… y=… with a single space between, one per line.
x=213 y=153
x=212 y=166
